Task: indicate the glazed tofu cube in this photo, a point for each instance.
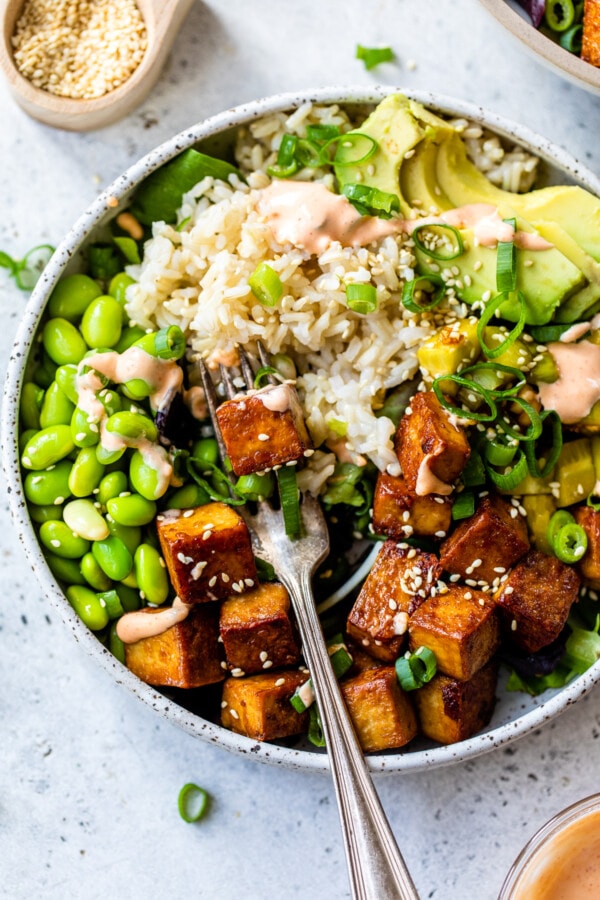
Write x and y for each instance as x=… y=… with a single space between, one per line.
x=590 y=38
x=382 y=713
x=535 y=600
x=449 y=710
x=257 y=630
x=399 y=512
x=259 y=705
x=432 y=449
x=589 y=565
x=401 y=579
x=361 y=659
x=208 y=552
x=483 y=548
x=264 y=429
x=186 y=655
x=460 y=626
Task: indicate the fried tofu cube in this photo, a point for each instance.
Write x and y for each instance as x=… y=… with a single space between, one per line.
x=259 y=705
x=257 y=630
x=482 y=548
x=449 y=710
x=264 y=429
x=361 y=659
x=401 y=579
x=590 y=38
x=460 y=626
x=399 y=512
x=208 y=552
x=432 y=449
x=589 y=565
x=186 y=655
x=382 y=713
x=535 y=600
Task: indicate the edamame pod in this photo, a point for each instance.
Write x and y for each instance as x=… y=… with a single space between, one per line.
x=49 y=487
x=111 y=485
x=131 y=510
x=47 y=447
x=86 y=473
x=83 y=519
x=88 y=606
x=56 y=409
x=62 y=342
x=59 y=539
x=102 y=322
x=32 y=397
x=93 y=574
x=151 y=574
x=113 y=557
x=72 y=295
x=63 y=569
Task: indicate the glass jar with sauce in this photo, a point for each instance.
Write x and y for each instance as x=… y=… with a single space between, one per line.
x=562 y=860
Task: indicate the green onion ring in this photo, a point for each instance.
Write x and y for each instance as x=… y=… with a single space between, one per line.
x=557 y=521
x=534 y=429
x=471 y=386
x=416 y=669
x=498 y=393
x=192 y=795
x=506 y=262
x=361 y=298
x=508 y=480
x=290 y=500
x=570 y=543
x=555 y=449
x=409 y=288
x=488 y=313
x=351 y=138
x=499 y=453
x=460 y=247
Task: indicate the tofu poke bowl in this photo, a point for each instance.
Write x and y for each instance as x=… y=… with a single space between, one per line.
x=415 y=287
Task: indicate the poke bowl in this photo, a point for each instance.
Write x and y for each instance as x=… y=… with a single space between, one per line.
x=360 y=330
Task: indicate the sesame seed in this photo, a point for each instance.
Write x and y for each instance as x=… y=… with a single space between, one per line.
x=212 y=581
x=513 y=625
x=206 y=535
x=233 y=714
x=263 y=437
x=268 y=664
x=280 y=682
x=509 y=589
x=223 y=664
x=225 y=577
x=237 y=672
x=223 y=704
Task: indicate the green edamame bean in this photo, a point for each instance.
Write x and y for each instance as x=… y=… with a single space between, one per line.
x=56 y=409
x=72 y=295
x=62 y=342
x=206 y=450
x=118 y=286
x=32 y=397
x=109 y=457
x=145 y=479
x=188 y=497
x=137 y=389
x=130 y=535
x=151 y=574
x=47 y=447
x=113 y=557
x=130 y=597
x=132 y=510
x=102 y=322
x=88 y=607
x=130 y=581
x=59 y=539
x=63 y=569
x=112 y=603
x=132 y=425
x=25 y=437
x=45 y=371
x=44 y=513
x=93 y=574
x=49 y=487
x=66 y=379
x=86 y=473
x=129 y=336
x=83 y=432
x=84 y=519
x=111 y=485
x=115 y=644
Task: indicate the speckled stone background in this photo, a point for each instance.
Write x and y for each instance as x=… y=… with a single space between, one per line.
x=89 y=777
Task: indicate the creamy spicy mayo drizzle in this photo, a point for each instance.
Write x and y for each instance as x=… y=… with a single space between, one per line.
x=428 y=483
x=143 y=623
x=164 y=375
x=578 y=386
x=308 y=215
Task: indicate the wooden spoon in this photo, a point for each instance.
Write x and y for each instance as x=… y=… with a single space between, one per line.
x=162 y=18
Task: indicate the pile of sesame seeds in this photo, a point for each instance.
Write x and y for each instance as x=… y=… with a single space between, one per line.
x=81 y=49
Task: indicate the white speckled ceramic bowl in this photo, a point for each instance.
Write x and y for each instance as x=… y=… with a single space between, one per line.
x=512 y=17
x=516 y=714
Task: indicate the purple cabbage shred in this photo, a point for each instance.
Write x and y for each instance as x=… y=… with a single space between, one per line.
x=535 y=9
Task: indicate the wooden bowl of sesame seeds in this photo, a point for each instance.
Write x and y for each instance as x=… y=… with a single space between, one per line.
x=87 y=64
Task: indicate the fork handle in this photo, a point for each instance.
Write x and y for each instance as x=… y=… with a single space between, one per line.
x=376 y=868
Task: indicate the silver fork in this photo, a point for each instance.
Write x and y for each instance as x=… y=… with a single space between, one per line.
x=376 y=868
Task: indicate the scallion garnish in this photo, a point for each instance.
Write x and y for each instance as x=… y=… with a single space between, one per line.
x=374 y=56
x=266 y=285
x=129 y=249
x=550 y=455
x=290 y=500
x=534 y=428
x=370 y=201
x=474 y=389
x=286 y=164
x=473 y=473
x=511 y=476
x=413 y=670
x=464 y=506
x=26 y=271
x=456 y=250
x=421 y=284
x=571 y=39
x=499 y=453
x=320 y=134
x=491 y=309
x=543 y=334
x=506 y=263
x=263 y=374
x=341 y=661
x=361 y=298
x=315 y=728
x=192 y=802
x=254 y=486
x=219 y=487
x=567 y=539
x=495 y=371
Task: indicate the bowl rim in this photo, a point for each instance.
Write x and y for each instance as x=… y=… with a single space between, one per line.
x=572 y=67
x=105 y=206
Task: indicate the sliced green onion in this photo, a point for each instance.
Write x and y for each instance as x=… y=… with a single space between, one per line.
x=254 y=486
x=510 y=477
x=290 y=500
x=464 y=506
x=494 y=369
x=488 y=313
x=309 y=154
x=286 y=164
x=471 y=386
x=371 y=201
x=351 y=149
x=198 y=469
x=29 y=269
x=341 y=662
x=413 y=670
x=410 y=288
x=374 y=56
x=322 y=133
x=129 y=249
x=361 y=298
x=473 y=473
x=557 y=521
x=457 y=251
x=315 y=728
x=192 y=802
x=506 y=263
x=559 y=14
x=593 y=501
x=263 y=374
x=571 y=39
x=167 y=343
x=498 y=453
x=551 y=456
x=265 y=570
x=570 y=543
x=534 y=429
x=103 y=260
x=266 y=285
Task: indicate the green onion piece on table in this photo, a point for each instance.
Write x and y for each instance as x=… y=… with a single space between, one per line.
x=413 y=670
x=506 y=263
x=266 y=285
x=192 y=802
x=290 y=500
x=361 y=298
x=26 y=271
x=456 y=250
x=438 y=291
x=374 y=56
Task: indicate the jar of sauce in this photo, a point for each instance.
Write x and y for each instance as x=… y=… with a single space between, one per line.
x=561 y=861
